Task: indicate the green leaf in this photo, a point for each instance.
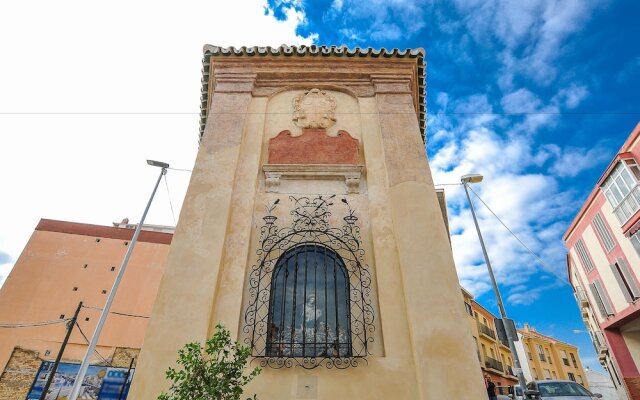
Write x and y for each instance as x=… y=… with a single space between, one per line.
x=214 y=371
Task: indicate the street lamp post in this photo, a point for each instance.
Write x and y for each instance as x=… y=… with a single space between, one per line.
x=476 y=178
x=75 y=391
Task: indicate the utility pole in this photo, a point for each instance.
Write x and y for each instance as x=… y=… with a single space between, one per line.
x=126 y=378
x=82 y=372
x=474 y=178
x=52 y=373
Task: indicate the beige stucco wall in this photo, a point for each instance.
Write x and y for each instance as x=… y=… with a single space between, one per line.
x=422 y=346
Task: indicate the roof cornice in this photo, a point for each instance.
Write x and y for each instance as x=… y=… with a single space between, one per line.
x=210 y=51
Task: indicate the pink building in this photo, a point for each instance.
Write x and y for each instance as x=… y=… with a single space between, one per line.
x=603 y=261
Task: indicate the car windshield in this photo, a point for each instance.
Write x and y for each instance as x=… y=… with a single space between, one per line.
x=553 y=389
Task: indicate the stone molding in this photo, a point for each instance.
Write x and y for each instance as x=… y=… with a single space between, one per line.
x=350 y=174
x=391 y=84
x=234 y=82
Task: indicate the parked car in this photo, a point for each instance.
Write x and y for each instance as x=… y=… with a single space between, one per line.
x=558 y=390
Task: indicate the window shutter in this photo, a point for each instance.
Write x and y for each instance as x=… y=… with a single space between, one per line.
x=620 y=279
x=635 y=241
x=603 y=298
x=596 y=297
x=628 y=276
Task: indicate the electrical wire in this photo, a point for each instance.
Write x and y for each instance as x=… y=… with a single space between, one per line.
x=95 y=350
x=534 y=254
x=379 y=113
x=170 y=203
x=32 y=324
x=115 y=312
x=180 y=169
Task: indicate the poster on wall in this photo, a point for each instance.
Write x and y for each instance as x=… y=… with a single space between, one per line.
x=100 y=383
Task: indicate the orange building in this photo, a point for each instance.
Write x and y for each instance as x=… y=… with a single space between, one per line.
x=494 y=355
x=63 y=264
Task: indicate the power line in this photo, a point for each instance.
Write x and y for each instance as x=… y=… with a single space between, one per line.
x=117 y=313
x=95 y=350
x=359 y=113
x=32 y=324
x=180 y=169
x=170 y=203
x=547 y=267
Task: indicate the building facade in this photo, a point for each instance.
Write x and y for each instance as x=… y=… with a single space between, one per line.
x=548 y=358
x=63 y=264
x=603 y=262
x=311 y=228
x=494 y=355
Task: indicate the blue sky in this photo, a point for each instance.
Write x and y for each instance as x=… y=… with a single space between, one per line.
x=535 y=95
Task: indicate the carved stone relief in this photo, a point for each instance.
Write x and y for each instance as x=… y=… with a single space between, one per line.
x=314 y=109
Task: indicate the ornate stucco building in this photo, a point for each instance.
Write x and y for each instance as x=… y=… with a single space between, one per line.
x=311 y=228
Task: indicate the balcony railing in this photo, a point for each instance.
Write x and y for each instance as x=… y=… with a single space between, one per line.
x=581 y=297
x=599 y=343
x=628 y=206
x=484 y=329
x=493 y=364
x=510 y=371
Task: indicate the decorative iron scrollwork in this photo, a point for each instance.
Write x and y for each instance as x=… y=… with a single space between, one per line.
x=305 y=334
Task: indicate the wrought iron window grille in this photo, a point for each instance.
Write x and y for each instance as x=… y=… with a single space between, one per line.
x=309 y=291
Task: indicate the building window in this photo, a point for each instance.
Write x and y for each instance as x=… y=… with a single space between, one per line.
x=603 y=233
x=104 y=291
x=467 y=307
x=535 y=373
x=61 y=316
x=621 y=190
x=573 y=359
x=571 y=376
x=75 y=288
x=565 y=360
x=612 y=371
x=635 y=241
x=549 y=357
x=547 y=374
x=309 y=305
x=625 y=280
x=309 y=291
x=553 y=373
x=541 y=353
x=580 y=381
x=584 y=256
x=597 y=290
x=113 y=269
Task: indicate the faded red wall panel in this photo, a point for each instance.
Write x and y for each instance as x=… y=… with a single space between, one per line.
x=314 y=146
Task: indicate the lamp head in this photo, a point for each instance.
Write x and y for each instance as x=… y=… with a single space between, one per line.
x=157 y=164
x=471 y=178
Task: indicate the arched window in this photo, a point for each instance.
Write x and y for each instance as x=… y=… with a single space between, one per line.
x=309 y=305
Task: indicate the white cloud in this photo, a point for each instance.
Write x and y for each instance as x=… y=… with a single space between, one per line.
x=572 y=161
x=519 y=187
x=531 y=34
x=122 y=59
x=570 y=97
